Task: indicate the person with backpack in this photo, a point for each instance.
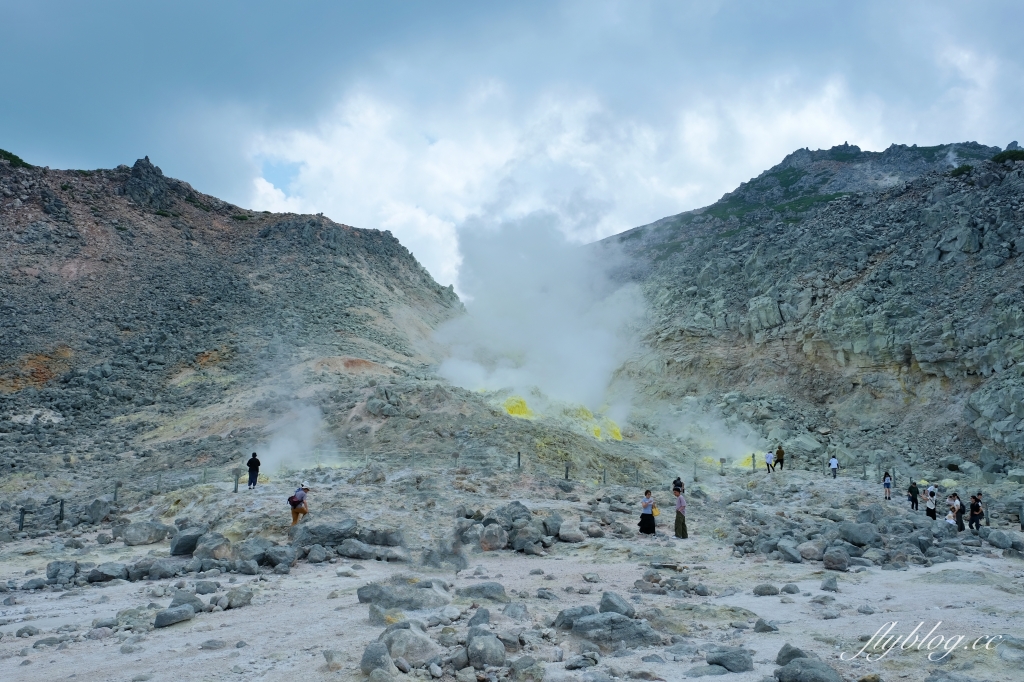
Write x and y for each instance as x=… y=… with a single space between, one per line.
x=887 y=486
x=833 y=464
x=678 y=483
x=254 y=471
x=912 y=492
x=299 y=503
x=958 y=512
x=929 y=505
x=780 y=457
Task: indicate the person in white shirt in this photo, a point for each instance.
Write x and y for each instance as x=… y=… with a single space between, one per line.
x=769 y=461
x=833 y=464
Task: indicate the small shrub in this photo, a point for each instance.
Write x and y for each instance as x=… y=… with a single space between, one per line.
x=1009 y=155
x=15 y=160
x=240 y=217
x=962 y=169
x=65 y=186
x=164 y=213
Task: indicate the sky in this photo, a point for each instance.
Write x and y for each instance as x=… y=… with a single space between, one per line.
x=431 y=119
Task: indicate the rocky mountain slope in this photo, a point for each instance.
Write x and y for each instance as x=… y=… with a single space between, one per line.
x=155 y=335
x=857 y=303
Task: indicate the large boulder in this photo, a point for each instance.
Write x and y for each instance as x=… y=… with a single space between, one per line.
x=788 y=653
x=567 y=533
x=213 y=546
x=277 y=555
x=999 y=539
x=376 y=657
x=174 y=615
x=489 y=590
x=566 y=617
x=145 y=533
x=790 y=553
x=185 y=597
x=493 y=537
x=61 y=572
x=326 y=534
x=356 y=549
x=812 y=550
x=486 y=650
x=253 y=549
x=732 y=658
x=860 y=534
x=412 y=644
x=163 y=568
x=423 y=595
x=186 y=540
x=239 y=597
x=111 y=570
x=807 y=670
x=836 y=559
x=613 y=630
x=614 y=603
x=552 y=524
x=98 y=510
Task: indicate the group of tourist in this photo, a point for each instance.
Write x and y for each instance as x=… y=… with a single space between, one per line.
x=649 y=509
x=955 y=510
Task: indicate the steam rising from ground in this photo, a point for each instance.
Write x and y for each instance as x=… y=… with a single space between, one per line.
x=543 y=314
x=298 y=438
x=703 y=432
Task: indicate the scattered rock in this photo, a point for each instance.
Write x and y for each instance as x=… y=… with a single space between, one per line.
x=177 y=614
x=614 y=603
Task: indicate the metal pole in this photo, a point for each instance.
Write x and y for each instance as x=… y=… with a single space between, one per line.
x=519 y=460
x=117 y=484
x=694 y=469
x=753 y=462
x=60 y=519
x=237 y=472
x=604 y=477
x=567 y=472
x=21 y=520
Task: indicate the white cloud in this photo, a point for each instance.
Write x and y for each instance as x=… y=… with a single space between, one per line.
x=421 y=172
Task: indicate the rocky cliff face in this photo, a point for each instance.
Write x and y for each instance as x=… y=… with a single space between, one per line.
x=872 y=301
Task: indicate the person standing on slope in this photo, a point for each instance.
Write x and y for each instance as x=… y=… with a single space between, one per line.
x=912 y=492
x=780 y=456
x=769 y=461
x=833 y=464
x=254 y=471
x=680 y=529
x=887 y=486
x=647 y=524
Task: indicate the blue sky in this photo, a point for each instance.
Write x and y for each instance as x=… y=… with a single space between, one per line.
x=426 y=118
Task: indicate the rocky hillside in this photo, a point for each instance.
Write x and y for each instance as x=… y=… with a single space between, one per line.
x=153 y=334
x=867 y=304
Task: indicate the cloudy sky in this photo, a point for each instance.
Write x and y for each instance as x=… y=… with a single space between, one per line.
x=428 y=118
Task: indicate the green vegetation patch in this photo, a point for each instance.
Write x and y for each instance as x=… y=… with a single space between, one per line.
x=198 y=204
x=804 y=203
x=962 y=169
x=1009 y=155
x=240 y=217
x=789 y=177
x=733 y=206
x=15 y=160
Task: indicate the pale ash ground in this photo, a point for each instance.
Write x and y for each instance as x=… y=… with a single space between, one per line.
x=294 y=618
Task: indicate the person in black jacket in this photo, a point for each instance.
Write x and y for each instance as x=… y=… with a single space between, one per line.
x=254 y=471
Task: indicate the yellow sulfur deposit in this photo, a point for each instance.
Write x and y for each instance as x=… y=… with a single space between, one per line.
x=612 y=429
x=517 y=407
x=595 y=430
x=747 y=461
x=710 y=461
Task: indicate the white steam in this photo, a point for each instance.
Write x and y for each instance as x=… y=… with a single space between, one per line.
x=299 y=438
x=543 y=314
x=703 y=432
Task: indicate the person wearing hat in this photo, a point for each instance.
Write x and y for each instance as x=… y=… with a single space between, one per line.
x=298 y=502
